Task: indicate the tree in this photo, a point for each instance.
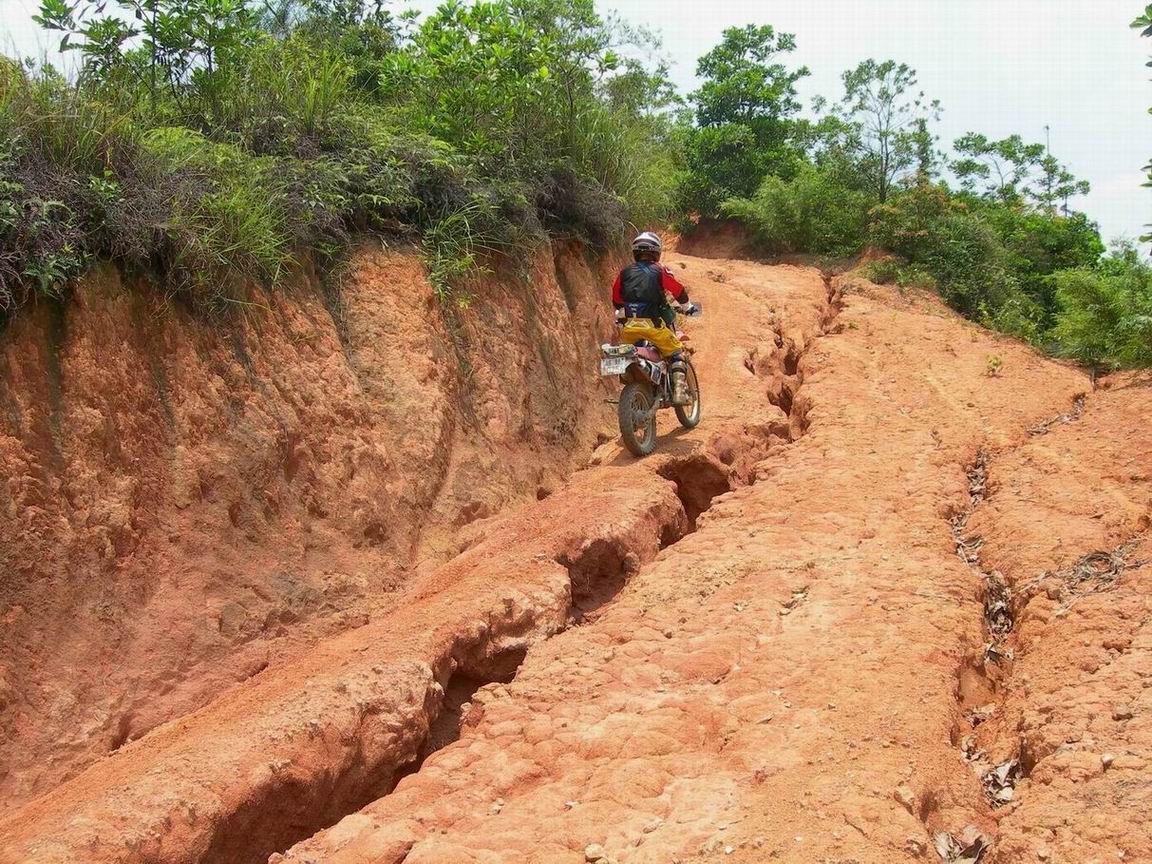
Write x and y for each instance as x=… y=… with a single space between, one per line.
x=504 y=80
x=1038 y=243
x=1015 y=173
x=884 y=125
x=363 y=32
x=744 y=117
x=184 y=42
x=642 y=90
x=927 y=156
x=745 y=83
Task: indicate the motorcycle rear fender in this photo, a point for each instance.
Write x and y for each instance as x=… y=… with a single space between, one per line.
x=634 y=374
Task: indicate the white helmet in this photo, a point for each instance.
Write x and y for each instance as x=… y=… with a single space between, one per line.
x=647 y=242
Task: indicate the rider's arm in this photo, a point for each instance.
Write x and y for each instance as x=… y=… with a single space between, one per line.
x=672 y=286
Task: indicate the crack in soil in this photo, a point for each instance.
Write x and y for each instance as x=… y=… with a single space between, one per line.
x=604 y=567
x=699 y=480
x=999 y=614
x=999 y=618
x=994 y=665
x=968 y=848
x=1093 y=573
x=1067 y=417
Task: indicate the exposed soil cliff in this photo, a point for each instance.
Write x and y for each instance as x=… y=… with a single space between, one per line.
x=184 y=500
x=717 y=239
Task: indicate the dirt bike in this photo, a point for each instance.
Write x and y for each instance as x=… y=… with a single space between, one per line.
x=647 y=388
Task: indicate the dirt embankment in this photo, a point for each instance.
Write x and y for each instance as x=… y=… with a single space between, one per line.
x=308 y=740
x=888 y=603
x=185 y=501
x=712 y=238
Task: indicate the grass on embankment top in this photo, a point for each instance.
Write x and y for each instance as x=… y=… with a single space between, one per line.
x=209 y=151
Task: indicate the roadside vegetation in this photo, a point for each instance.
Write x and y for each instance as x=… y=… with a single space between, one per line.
x=212 y=144
x=989 y=224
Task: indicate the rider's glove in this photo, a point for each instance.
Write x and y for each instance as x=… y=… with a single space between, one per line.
x=687 y=308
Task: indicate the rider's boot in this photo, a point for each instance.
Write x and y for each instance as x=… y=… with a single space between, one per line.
x=680 y=394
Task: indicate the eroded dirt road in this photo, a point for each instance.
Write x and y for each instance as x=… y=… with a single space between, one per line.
x=759 y=645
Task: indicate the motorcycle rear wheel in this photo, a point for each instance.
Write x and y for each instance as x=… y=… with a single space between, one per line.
x=638 y=432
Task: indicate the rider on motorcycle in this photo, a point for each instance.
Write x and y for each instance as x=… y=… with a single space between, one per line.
x=639 y=297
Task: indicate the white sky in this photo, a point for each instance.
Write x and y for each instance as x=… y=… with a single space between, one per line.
x=997 y=66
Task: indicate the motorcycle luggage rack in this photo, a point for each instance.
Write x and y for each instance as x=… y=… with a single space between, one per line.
x=611 y=350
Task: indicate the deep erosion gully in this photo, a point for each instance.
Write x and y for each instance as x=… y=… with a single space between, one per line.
x=984 y=677
x=294 y=749
x=603 y=567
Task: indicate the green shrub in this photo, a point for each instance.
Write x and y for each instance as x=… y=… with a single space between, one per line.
x=361 y=32
x=280 y=94
x=627 y=175
x=58 y=185
x=809 y=214
x=1106 y=312
x=209 y=144
x=941 y=235
x=1038 y=243
x=893 y=271
x=238 y=219
x=512 y=84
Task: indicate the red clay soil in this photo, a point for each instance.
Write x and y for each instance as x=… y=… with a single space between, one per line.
x=1066 y=526
x=336 y=733
x=758 y=645
x=782 y=684
x=186 y=501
